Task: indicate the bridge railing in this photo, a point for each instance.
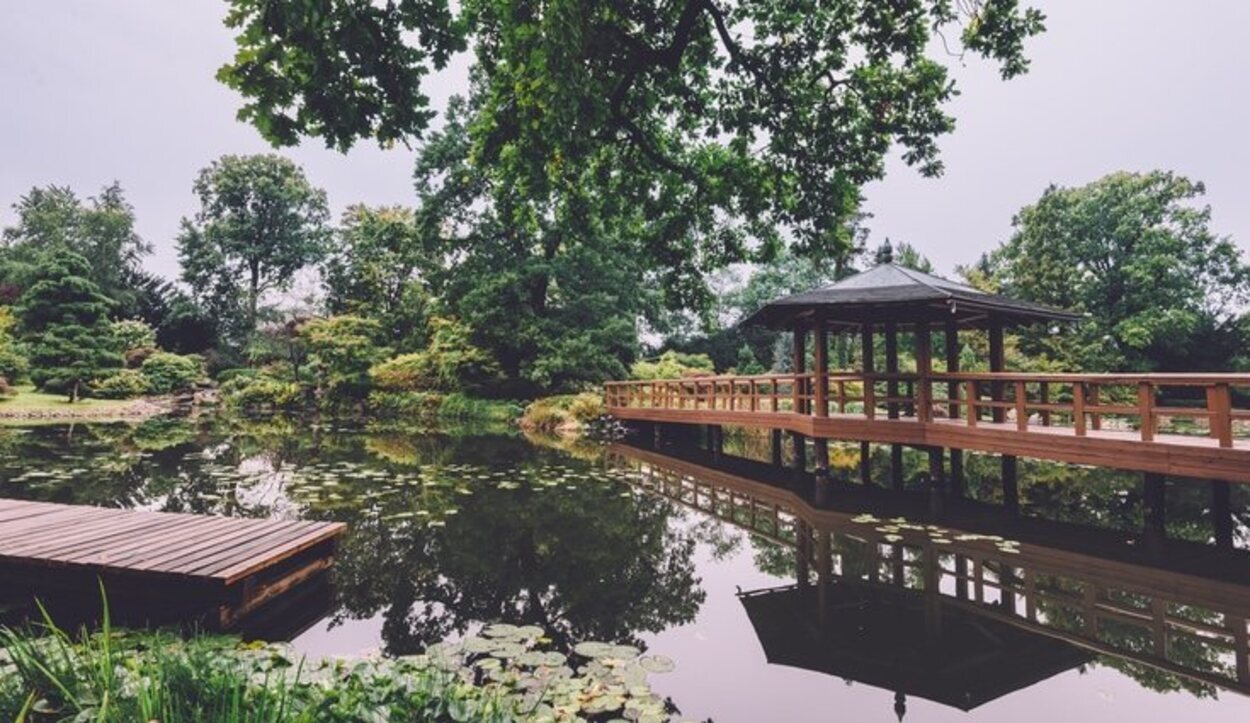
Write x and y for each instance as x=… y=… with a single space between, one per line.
x=1217 y=405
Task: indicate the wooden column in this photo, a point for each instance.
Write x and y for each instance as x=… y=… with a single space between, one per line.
x=951 y=340
x=891 y=367
x=799 y=388
x=892 y=407
x=820 y=355
x=924 y=369
x=997 y=364
x=776 y=447
x=869 y=363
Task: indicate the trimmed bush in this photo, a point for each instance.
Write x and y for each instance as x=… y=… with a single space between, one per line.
x=168 y=373
x=132 y=334
x=13 y=363
x=586 y=407
x=673 y=365
x=405 y=404
x=257 y=393
x=125 y=384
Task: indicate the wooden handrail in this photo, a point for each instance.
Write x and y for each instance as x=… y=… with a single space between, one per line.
x=1133 y=401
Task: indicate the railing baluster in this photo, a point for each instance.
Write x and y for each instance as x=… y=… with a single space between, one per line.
x=870 y=398
x=970 y=404
x=1022 y=407
x=1220 y=406
x=1078 y=408
x=1145 y=406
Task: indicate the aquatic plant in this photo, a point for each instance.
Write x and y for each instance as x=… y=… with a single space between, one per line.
x=505 y=674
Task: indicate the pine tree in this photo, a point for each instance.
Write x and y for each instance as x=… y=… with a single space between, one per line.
x=65 y=323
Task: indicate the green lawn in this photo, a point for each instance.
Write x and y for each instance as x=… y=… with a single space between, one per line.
x=28 y=399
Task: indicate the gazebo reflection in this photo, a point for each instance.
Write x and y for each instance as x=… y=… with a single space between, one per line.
x=904 y=641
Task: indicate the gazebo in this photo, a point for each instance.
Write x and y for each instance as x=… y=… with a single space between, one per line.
x=886 y=300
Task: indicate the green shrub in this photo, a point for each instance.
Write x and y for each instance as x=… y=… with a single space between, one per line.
x=168 y=373
x=586 y=406
x=226 y=375
x=405 y=404
x=132 y=334
x=125 y=384
x=14 y=365
x=673 y=365
x=461 y=407
x=404 y=373
x=255 y=393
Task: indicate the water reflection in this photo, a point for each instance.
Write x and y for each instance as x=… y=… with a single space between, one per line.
x=457 y=527
x=968 y=604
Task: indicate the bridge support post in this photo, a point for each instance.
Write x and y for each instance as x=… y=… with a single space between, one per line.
x=865 y=464
x=937 y=480
x=776 y=447
x=1154 y=498
x=1222 y=513
x=1011 y=490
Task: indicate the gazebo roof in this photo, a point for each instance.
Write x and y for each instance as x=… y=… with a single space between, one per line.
x=892 y=293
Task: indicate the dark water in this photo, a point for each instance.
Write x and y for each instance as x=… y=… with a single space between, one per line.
x=1072 y=610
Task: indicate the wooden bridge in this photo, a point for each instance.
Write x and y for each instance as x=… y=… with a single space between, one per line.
x=1193 y=425
x=174 y=565
x=1180 y=607
x=1175 y=424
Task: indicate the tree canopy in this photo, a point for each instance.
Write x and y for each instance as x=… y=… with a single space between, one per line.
x=65 y=324
x=1136 y=253
x=710 y=130
x=260 y=221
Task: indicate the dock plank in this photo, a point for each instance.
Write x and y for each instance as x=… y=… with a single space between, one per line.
x=174 y=545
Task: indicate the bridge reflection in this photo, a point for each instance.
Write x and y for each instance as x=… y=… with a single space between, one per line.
x=963 y=603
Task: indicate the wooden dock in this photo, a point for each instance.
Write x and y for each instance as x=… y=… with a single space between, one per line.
x=173 y=563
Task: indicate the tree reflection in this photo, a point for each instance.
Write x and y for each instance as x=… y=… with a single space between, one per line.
x=584 y=564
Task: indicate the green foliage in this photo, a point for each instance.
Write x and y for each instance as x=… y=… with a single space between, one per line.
x=747 y=363
x=116 y=676
x=100 y=230
x=377 y=269
x=65 y=324
x=132 y=334
x=608 y=157
x=260 y=221
x=550 y=414
x=451 y=362
x=457 y=406
x=169 y=373
x=259 y=393
x=410 y=405
x=125 y=384
x=1136 y=254
x=673 y=365
x=681 y=94
x=341 y=351
x=13 y=362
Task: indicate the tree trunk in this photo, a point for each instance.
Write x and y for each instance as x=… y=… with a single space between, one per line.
x=253 y=300
x=73 y=392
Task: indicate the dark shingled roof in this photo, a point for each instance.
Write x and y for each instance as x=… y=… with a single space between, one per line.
x=892 y=293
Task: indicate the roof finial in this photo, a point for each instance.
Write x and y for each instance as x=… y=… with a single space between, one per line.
x=885 y=253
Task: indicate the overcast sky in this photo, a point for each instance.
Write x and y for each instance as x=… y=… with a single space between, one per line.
x=95 y=91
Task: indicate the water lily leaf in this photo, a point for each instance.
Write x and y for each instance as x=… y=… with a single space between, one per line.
x=657 y=664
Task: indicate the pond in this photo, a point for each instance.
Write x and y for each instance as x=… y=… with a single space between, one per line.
x=777 y=598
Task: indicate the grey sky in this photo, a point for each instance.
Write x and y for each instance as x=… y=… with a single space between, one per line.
x=95 y=91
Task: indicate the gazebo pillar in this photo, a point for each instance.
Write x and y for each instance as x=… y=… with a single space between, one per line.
x=998 y=363
x=799 y=387
x=951 y=342
x=892 y=407
x=869 y=367
x=820 y=357
x=923 y=340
